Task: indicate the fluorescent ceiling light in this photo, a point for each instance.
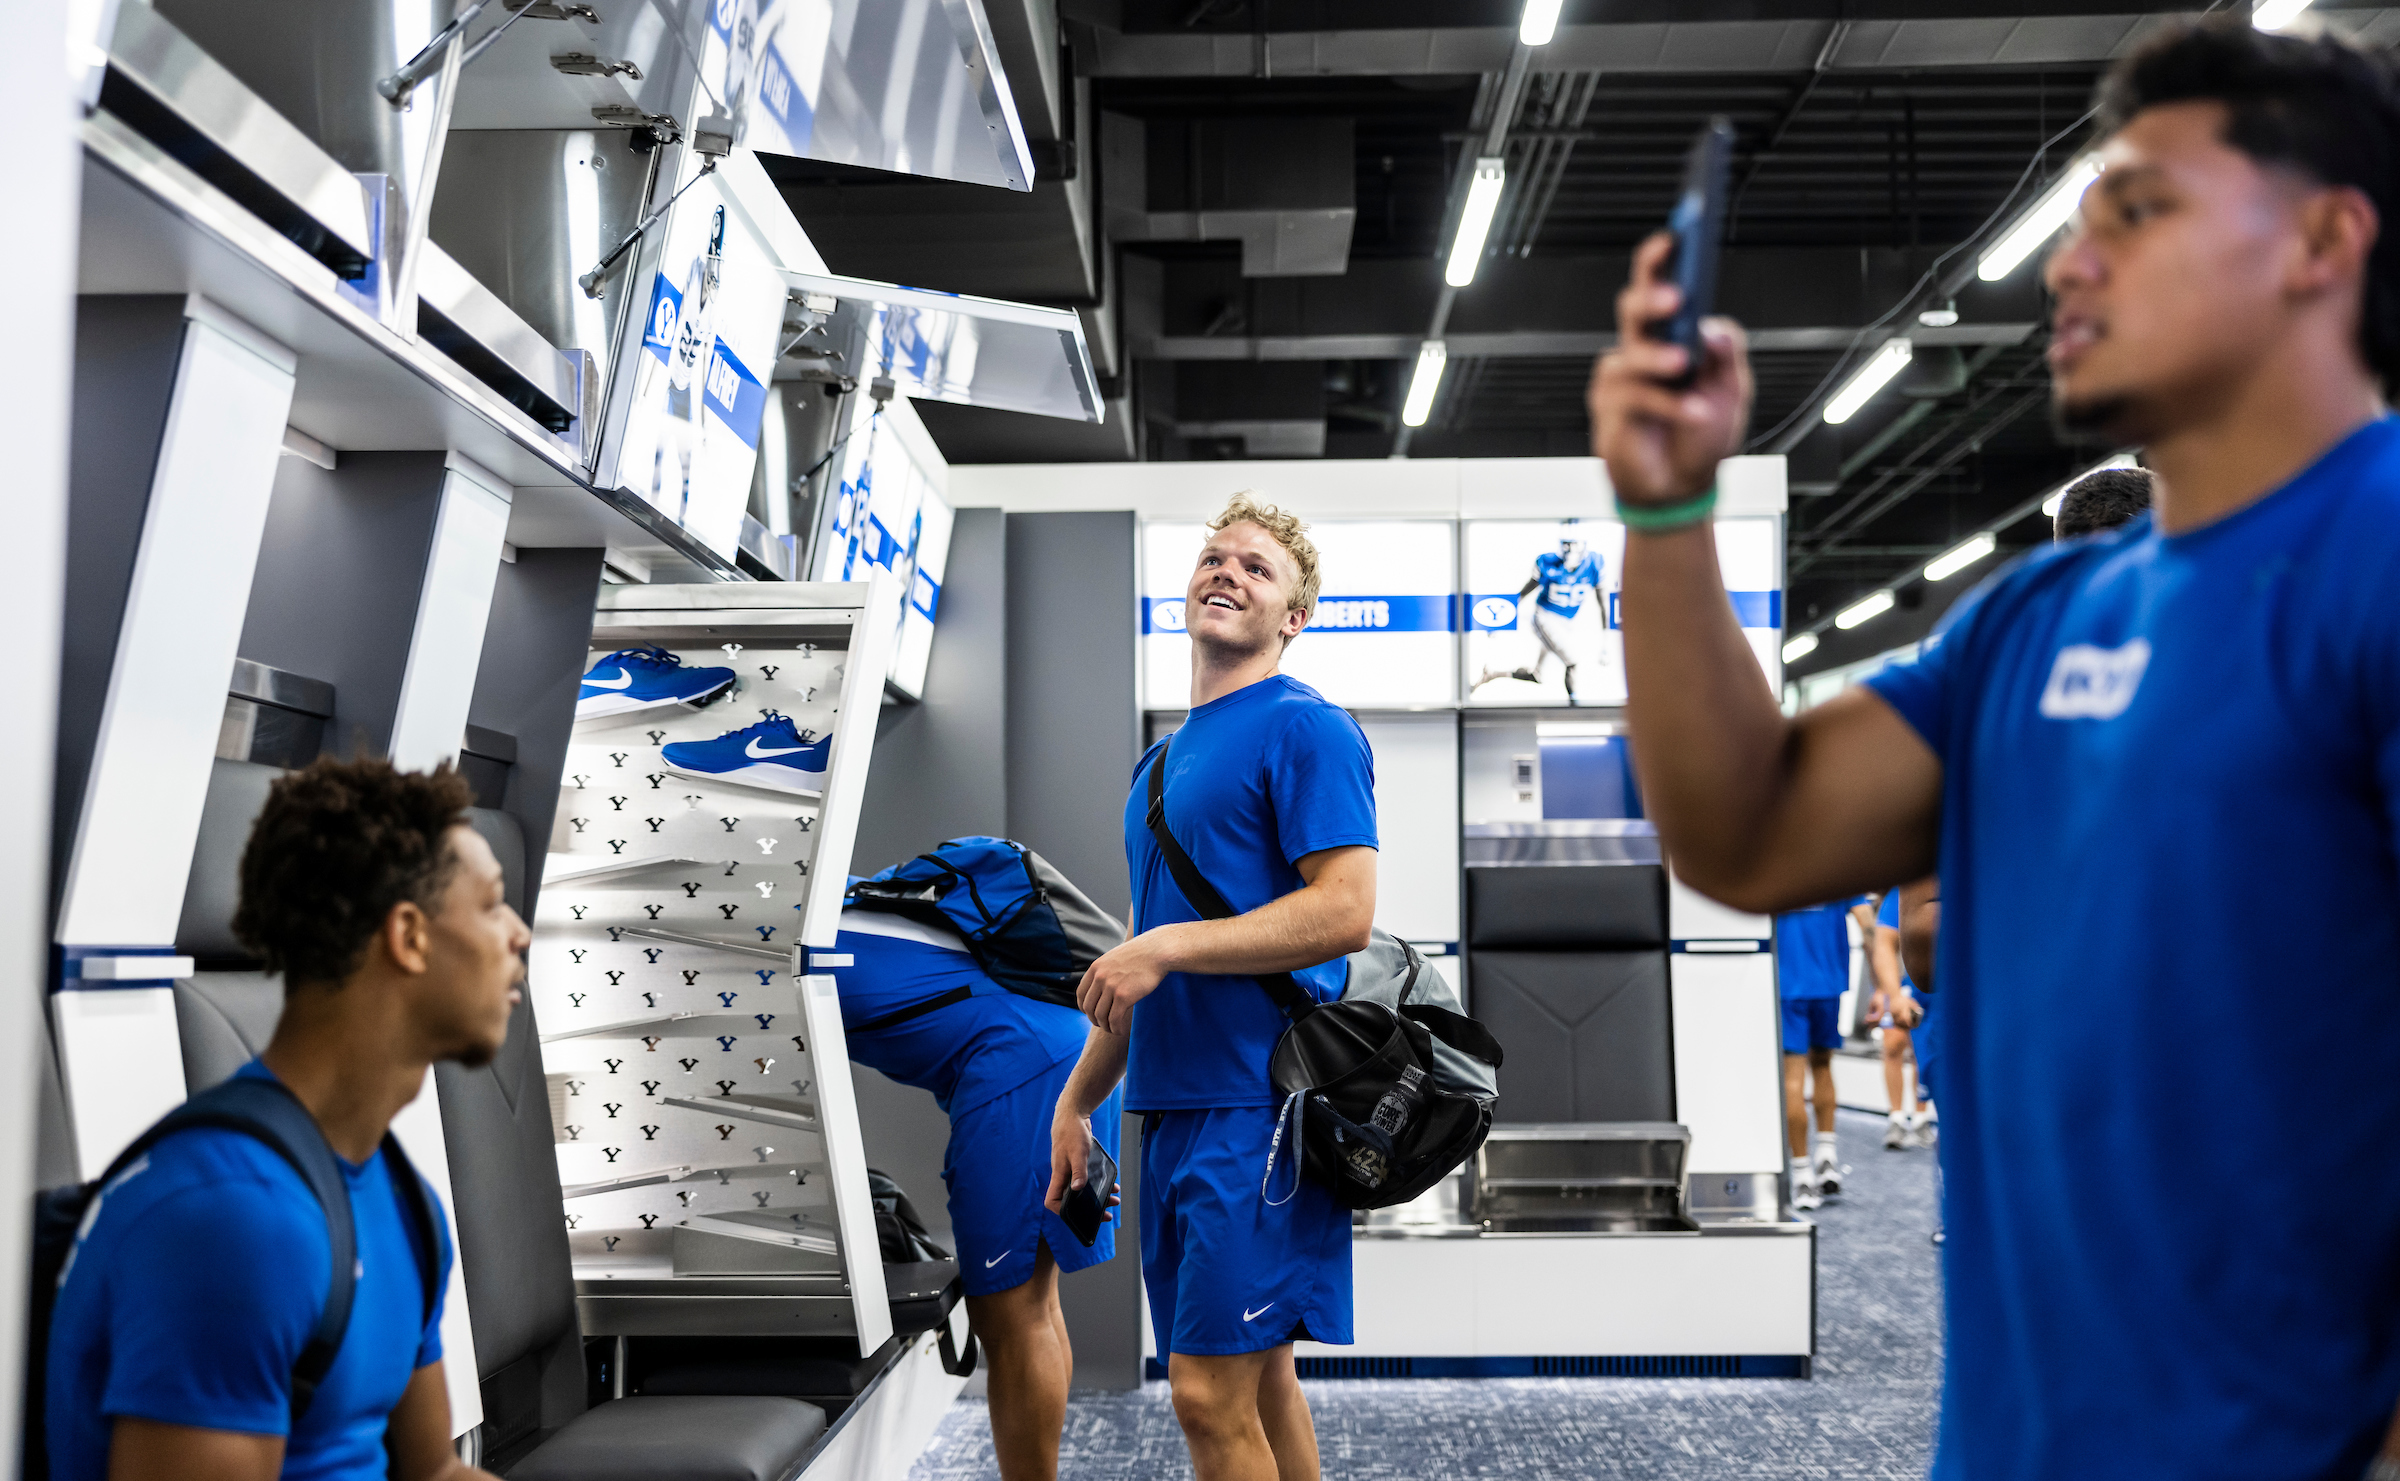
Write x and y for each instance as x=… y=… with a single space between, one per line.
x=1541 y=22
x=1865 y=609
x=1431 y=357
x=1866 y=381
x=2041 y=223
x=1964 y=556
x=1799 y=647
x=1475 y=222
x=1942 y=317
x=2266 y=15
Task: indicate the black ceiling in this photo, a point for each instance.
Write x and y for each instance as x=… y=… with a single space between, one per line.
x=1876 y=141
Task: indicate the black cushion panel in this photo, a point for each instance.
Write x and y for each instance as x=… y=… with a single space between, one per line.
x=680 y=1439
x=1587 y=1034
x=224 y=1020
x=507 y=838
x=236 y=792
x=1567 y=907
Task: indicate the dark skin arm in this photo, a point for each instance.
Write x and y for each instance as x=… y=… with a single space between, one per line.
x=1763 y=812
x=418 y=1441
x=1920 y=923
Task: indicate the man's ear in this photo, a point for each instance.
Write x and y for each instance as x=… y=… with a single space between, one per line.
x=407 y=937
x=1293 y=621
x=2340 y=227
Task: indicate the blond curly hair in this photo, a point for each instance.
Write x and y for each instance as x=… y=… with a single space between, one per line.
x=1248 y=508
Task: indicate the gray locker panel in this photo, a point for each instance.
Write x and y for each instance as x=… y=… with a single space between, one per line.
x=1587 y=1033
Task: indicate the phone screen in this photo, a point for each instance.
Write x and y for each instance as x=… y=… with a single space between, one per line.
x=1698 y=223
x=1086 y=1208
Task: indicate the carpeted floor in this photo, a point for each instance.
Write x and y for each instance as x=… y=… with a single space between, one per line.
x=1868 y=1412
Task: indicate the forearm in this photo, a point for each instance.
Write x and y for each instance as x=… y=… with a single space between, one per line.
x=1883 y=959
x=1096 y=1073
x=1709 y=740
x=1302 y=929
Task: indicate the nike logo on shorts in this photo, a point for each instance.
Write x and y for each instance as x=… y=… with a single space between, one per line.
x=1251 y=1316
x=996 y=1259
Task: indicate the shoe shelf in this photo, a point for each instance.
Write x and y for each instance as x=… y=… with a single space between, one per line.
x=708 y=1135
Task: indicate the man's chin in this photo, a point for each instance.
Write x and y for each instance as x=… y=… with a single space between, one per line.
x=2085 y=418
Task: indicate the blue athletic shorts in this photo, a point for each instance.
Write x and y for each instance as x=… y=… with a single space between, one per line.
x=997 y=1167
x=1227 y=1271
x=1811 y=1023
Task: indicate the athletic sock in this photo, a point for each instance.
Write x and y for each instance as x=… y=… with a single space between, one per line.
x=1897 y=1118
x=1828 y=1150
x=1803 y=1171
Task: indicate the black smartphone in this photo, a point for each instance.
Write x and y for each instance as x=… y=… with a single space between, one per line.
x=1086 y=1208
x=1698 y=222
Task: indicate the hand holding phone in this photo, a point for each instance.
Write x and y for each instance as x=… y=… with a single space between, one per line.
x=1086 y=1208
x=1698 y=225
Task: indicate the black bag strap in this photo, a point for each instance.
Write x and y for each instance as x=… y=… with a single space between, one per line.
x=418 y=1203
x=1289 y=995
x=1457 y=1030
x=918 y=1009
x=264 y=1109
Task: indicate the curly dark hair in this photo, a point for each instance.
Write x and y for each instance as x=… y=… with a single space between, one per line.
x=2321 y=106
x=338 y=844
x=2102 y=500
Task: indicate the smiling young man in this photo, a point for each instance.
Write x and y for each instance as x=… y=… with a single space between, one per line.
x=1270 y=788
x=200 y=1272
x=2115 y=749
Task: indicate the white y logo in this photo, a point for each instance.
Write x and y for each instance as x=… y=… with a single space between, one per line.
x=2088 y=683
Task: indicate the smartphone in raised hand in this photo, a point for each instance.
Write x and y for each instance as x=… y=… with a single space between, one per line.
x=1698 y=225
x=1085 y=1209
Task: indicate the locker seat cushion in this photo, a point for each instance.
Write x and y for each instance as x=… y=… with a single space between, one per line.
x=224 y=1020
x=680 y=1439
x=236 y=792
x=1618 y=907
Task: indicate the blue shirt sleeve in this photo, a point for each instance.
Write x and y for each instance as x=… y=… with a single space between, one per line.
x=216 y=1291
x=1889 y=915
x=1322 y=781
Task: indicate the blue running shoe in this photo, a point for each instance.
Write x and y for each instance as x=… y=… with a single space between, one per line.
x=638 y=678
x=774 y=753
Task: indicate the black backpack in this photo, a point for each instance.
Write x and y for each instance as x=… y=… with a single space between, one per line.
x=1026 y=924
x=255 y=1107
x=1387 y=1090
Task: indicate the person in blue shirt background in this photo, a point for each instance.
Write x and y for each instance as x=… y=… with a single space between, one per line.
x=1906 y=1034
x=917 y=1008
x=1812 y=971
x=1271 y=790
x=2113 y=751
x=200 y=1271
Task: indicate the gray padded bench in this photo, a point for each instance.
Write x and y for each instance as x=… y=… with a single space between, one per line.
x=539 y=1424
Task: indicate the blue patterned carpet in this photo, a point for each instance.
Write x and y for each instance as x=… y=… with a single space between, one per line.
x=1868 y=1412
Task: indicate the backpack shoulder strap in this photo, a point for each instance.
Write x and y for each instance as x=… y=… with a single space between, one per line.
x=419 y=1206
x=1202 y=896
x=265 y=1110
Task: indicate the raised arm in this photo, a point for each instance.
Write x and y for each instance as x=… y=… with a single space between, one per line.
x=1762 y=812
x=1329 y=916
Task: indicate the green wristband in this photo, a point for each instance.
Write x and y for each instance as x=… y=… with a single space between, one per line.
x=1655 y=519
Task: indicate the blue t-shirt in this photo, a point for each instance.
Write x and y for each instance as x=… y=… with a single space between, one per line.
x=2142 y=739
x=198 y=1277
x=1563 y=588
x=1812 y=950
x=1256 y=781
x=965 y=1053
